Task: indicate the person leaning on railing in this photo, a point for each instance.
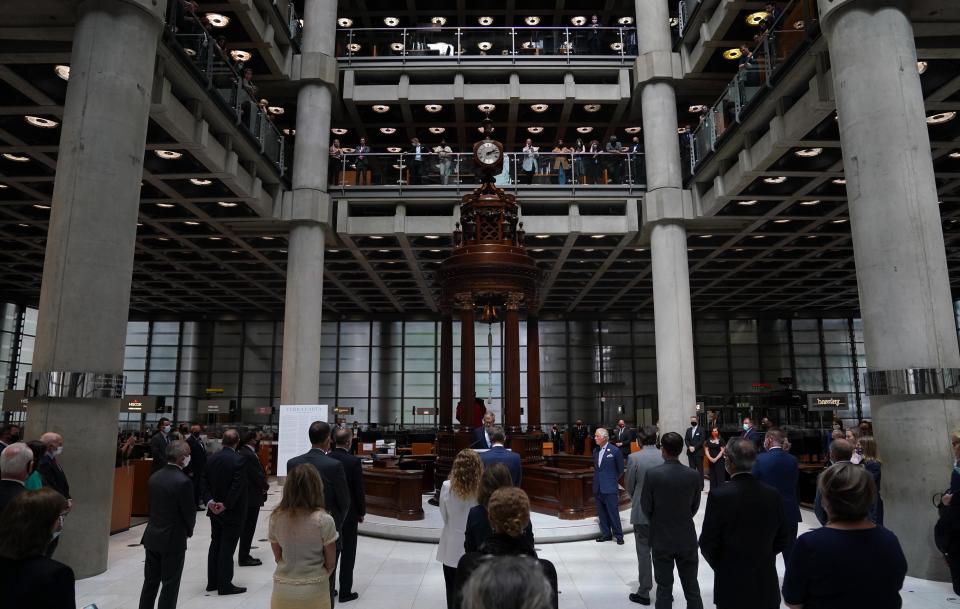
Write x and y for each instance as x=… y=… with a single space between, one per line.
x=561 y=161
x=335 y=171
x=445 y=156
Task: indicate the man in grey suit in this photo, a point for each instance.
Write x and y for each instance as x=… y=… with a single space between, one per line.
x=670 y=498
x=637 y=466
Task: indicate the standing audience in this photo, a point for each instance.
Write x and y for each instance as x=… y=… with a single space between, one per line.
x=34 y=481
x=224 y=488
x=608 y=463
x=198 y=460
x=715 y=455
x=499 y=454
x=9 y=434
x=257 y=488
x=850 y=562
x=158 y=445
x=54 y=476
x=511 y=582
x=694 y=441
x=353 y=470
x=781 y=470
x=16 y=461
x=638 y=464
x=947 y=531
x=871 y=462
x=745 y=508
x=478 y=529
x=457 y=496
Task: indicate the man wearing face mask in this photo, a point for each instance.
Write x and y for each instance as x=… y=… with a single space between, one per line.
x=53 y=475
x=172 y=517
x=158 y=445
x=694 y=440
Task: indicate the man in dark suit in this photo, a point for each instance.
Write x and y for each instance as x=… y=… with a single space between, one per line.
x=353 y=468
x=16 y=460
x=743 y=531
x=9 y=434
x=481 y=435
x=53 y=475
x=670 y=499
x=158 y=445
x=781 y=470
x=622 y=437
x=224 y=489
x=694 y=440
x=336 y=493
x=579 y=435
x=173 y=515
x=257 y=488
x=608 y=461
x=499 y=454
x=750 y=433
x=198 y=460
x=556 y=436
x=415 y=162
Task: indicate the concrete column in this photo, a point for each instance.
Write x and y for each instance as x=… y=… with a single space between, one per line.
x=467 y=364
x=85 y=296
x=300 y=379
x=676 y=384
x=533 y=374
x=446 y=373
x=901 y=264
x=511 y=373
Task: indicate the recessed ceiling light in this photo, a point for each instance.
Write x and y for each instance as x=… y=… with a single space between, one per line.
x=684 y=129
x=747 y=203
x=2 y=186
x=200 y=182
x=775 y=180
x=384 y=251
x=162 y=239
x=616 y=46
x=288 y=131
x=942 y=117
x=62 y=71
x=333 y=251
x=217 y=20
x=226 y=204
x=739 y=249
x=191 y=223
x=436 y=251
x=955 y=155
x=922 y=66
x=387 y=130
x=759 y=236
x=15 y=157
x=275 y=110
x=697 y=109
x=39 y=121
x=640 y=249
x=239 y=55
x=584 y=129
x=757 y=18
x=436 y=130
x=705 y=236
x=165 y=205
x=673 y=22
x=381 y=108
x=485 y=20
x=538 y=249
x=532 y=20
x=542 y=236
x=267 y=238
x=625 y=20
x=732 y=54
x=391 y=21
x=23 y=225
x=215 y=238
x=391 y=261
x=839 y=221
x=433 y=108
x=375 y=237
x=592 y=107
x=348 y=150
x=354 y=47
x=781 y=221
x=484 y=45
x=396 y=46
x=578 y=20
x=632 y=130
x=344 y=22
x=839 y=181
x=438 y=20
x=808 y=152
x=597 y=236
x=589 y=249
x=534 y=130
x=168 y=154
x=431 y=236
x=539 y=107
x=394 y=149
x=486 y=107
x=41 y=206
x=813 y=202
x=338 y=131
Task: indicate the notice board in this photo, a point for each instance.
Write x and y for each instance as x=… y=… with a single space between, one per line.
x=293 y=437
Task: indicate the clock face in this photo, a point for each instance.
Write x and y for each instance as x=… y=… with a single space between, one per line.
x=488 y=153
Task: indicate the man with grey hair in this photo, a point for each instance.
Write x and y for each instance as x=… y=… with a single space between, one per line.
x=53 y=475
x=172 y=517
x=608 y=461
x=16 y=460
x=638 y=464
x=744 y=508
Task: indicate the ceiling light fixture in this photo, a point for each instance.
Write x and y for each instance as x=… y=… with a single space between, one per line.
x=387 y=130
x=632 y=130
x=288 y=131
x=839 y=221
x=15 y=157
x=597 y=236
x=755 y=19
x=732 y=54
x=781 y=221
x=436 y=130
x=394 y=149
x=226 y=204
x=578 y=21
x=542 y=236
x=584 y=129
x=808 y=152
x=62 y=71
x=41 y=206
x=942 y=117
x=354 y=47
x=486 y=107
x=697 y=109
x=839 y=181
x=684 y=129
x=484 y=45
x=747 y=203
x=775 y=180
x=391 y=21
x=191 y=223
x=759 y=236
x=922 y=66
x=955 y=155
x=535 y=130
x=217 y=20
x=539 y=107
x=396 y=46
x=238 y=55
x=485 y=20
x=275 y=110
x=39 y=121
x=381 y=108
x=338 y=131
x=673 y=22
x=441 y=21
x=431 y=236
x=168 y=155
x=813 y=202
x=436 y=251
x=592 y=107
x=165 y=205
x=532 y=20
x=433 y=108
x=2 y=186
x=616 y=46
x=625 y=20
x=344 y=22
x=267 y=238
x=200 y=182
x=705 y=236
x=375 y=236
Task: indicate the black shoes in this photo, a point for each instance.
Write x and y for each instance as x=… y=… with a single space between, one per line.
x=619 y=541
x=250 y=562
x=603 y=538
x=211 y=588
x=232 y=590
x=643 y=600
x=350 y=597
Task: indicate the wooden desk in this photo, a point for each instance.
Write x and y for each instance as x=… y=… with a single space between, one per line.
x=393 y=492
x=141 y=495
x=123 y=478
x=562 y=486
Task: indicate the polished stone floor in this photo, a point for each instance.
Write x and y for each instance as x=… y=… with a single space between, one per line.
x=405 y=574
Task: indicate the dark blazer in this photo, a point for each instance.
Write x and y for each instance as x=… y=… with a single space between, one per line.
x=780 y=469
x=198 y=456
x=353 y=469
x=607 y=475
x=499 y=454
x=743 y=531
x=225 y=480
x=754 y=436
x=479 y=530
x=495 y=546
x=172 y=512
x=625 y=437
x=670 y=498
x=695 y=437
x=336 y=493
x=8 y=490
x=37 y=582
x=257 y=485
x=479 y=438
x=53 y=475
x=158 y=450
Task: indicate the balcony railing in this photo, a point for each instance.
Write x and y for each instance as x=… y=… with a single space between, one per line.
x=470 y=43
x=220 y=74
x=570 y=169
x=787 y=33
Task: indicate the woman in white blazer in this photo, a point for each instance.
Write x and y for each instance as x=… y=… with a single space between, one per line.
x=457 y=495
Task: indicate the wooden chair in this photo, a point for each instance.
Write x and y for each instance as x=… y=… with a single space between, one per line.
x=421 y=448
x=547 y=448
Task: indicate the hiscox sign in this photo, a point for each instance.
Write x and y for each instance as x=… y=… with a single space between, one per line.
x=828 y=401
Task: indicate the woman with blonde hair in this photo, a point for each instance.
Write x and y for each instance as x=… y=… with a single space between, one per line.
x=457 y=496
x=303 y=537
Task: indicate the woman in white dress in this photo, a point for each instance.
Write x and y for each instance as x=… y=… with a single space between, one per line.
x=457 y=495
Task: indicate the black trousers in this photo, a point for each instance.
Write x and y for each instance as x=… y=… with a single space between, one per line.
x=791 y=540
x=450 y=578
x=224 y=537
x=246 y=535
x=416 y=172
x=162 y=569
x=348 y=556
x=686 y=561
x=332 y=579
x=695 y=460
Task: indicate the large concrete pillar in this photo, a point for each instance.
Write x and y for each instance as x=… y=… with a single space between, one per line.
x=308 y=206
x=666 y=208
x=511 y=373
x=87 y=271
x=905 y=302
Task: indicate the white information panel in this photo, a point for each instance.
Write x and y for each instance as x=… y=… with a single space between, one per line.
x=294 y=438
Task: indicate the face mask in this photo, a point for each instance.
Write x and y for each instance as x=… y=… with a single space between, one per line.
x=56 y=453
x=167 y=429
x=15 y=438
x=186 y=461
x=55 y=535
x=692 y=423
x=746 y=427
